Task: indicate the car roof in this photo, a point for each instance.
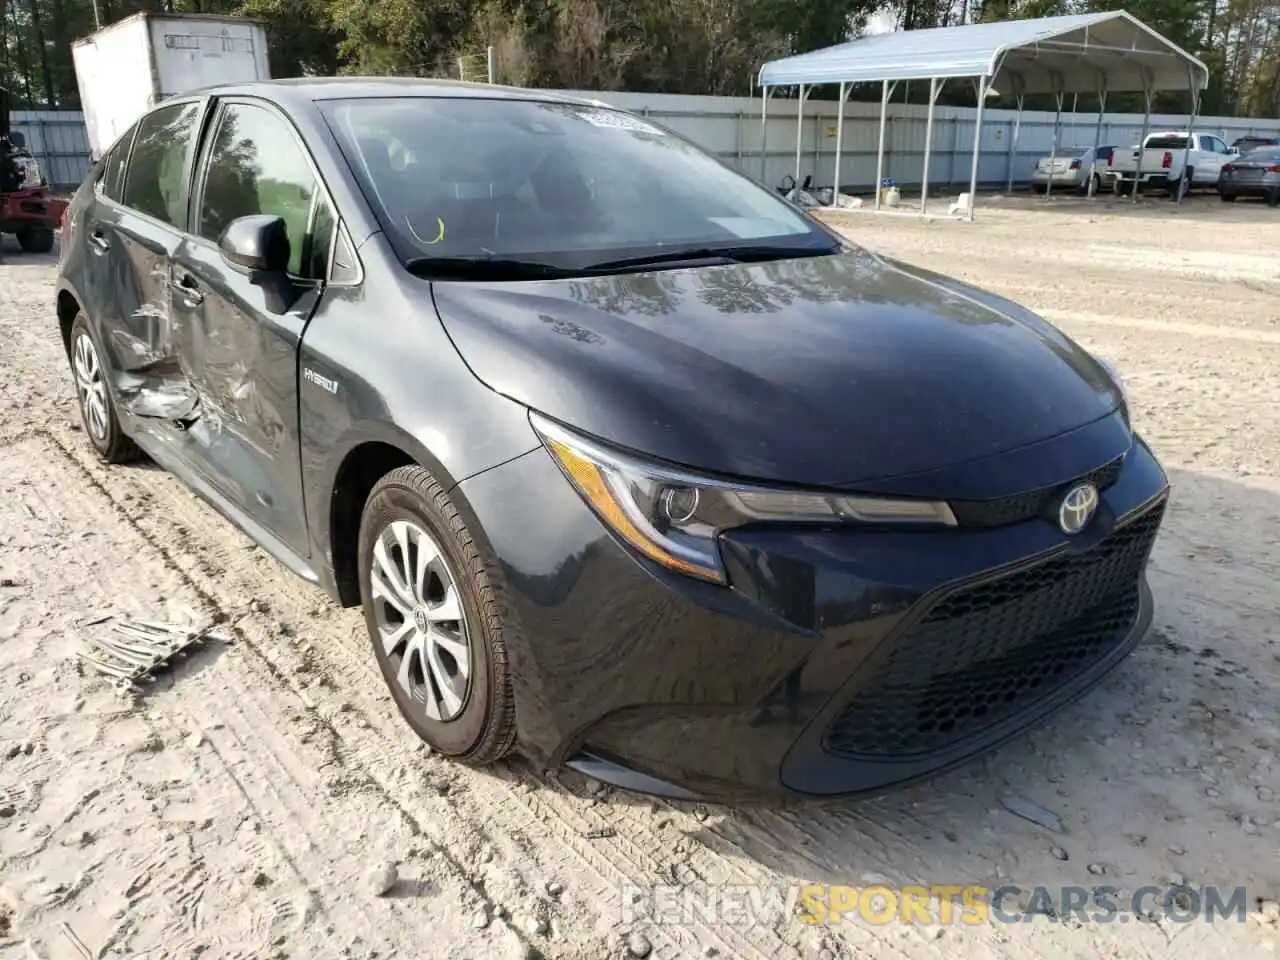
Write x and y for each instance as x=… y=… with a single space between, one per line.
x=302 y=89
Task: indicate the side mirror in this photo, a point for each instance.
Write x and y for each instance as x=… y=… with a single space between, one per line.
x=18 y=140
x=257 y=244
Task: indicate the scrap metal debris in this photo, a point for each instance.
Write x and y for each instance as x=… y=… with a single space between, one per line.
x=1033 y=812
x=135 y=649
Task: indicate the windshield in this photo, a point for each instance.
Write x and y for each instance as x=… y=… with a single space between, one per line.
x=564 y=185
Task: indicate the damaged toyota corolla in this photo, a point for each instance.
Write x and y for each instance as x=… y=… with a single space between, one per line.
x=632 y=466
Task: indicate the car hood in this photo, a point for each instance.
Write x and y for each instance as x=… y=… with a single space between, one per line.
x=833 y=371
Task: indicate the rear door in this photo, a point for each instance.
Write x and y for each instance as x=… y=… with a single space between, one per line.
x=243 y=348
x=95 y=261
x=137 y=238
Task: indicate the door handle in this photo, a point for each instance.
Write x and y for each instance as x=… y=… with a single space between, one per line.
x=98 y=240
x=186 y=287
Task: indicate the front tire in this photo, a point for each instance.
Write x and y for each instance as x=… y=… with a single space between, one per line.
x=93 y=397
x=433 y=616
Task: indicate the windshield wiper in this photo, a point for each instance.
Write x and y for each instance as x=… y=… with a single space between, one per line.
x=484 y=267
x=742 y=254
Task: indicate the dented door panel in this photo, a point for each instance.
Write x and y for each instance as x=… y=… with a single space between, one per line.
x=146 y=338
x=243 y=365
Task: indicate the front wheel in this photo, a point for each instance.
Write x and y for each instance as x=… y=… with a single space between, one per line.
x=433 y=616
x=35 y=239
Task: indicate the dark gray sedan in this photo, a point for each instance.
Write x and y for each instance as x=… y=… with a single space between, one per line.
x=630 y=465
x=1255 y=174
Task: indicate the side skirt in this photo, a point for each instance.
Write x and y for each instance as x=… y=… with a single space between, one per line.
x=149 y=438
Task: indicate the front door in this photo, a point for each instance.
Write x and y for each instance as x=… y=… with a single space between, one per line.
x=242 y=346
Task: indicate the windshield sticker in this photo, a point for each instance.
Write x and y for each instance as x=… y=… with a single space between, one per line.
x=618 y=121
x=746 y=228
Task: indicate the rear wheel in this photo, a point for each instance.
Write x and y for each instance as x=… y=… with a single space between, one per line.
x=1182 y=186
x=1273 y=198
x=1227 y=197
x=93 y=396
x=432 y=612
x=35 y=239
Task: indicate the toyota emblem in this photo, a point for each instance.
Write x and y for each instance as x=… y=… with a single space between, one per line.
x=1078 y=508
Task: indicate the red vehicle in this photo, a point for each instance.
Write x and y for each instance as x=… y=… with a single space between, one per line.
x=28 y=208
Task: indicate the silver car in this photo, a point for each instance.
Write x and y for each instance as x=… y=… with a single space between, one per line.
x=1254 y=174
x=1071 y=170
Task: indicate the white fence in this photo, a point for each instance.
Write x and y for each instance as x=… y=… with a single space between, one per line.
x=730 y=128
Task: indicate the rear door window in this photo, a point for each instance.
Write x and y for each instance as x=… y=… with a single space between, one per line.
x=256 y=165
x=156 y=179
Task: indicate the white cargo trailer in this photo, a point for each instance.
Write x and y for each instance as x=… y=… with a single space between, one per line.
x=127 y=67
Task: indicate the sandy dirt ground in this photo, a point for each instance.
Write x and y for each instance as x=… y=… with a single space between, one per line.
x=248 y=803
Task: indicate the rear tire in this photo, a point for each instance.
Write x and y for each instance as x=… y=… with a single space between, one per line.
x=93 y=397
x=35 y=239
x=1227 y=197
x=434 y=618
x=1179 y=189
x=1273 y=198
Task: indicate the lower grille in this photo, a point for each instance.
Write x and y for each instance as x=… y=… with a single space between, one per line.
x=988 y=651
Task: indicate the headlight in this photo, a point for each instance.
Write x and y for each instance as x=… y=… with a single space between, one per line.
x=674 y=518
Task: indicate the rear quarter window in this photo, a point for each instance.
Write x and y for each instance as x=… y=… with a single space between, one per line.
x=111 y=179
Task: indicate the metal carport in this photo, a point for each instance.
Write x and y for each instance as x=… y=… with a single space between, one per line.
x=1085 y=53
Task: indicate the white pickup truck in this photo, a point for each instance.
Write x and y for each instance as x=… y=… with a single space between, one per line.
x=1163 y=156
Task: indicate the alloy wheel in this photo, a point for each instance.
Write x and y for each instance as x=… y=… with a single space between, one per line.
x=420 y=619
x=91 y=390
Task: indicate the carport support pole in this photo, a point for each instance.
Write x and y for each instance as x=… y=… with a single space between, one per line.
x=1053 y=150
x=884 y=109
x=1146 y=128
x=799 y=137
x=1097 y=137
x=1019 y=98
x=934 y=88
x=1191 y=130
x=977 y=147
x=764 y=129
x=835 y=177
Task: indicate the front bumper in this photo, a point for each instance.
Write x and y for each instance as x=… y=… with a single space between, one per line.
x=841 y=661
